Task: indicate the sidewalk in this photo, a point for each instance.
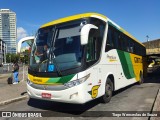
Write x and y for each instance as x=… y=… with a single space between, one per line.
x=11 y=93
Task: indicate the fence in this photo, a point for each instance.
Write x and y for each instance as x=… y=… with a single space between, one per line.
x=7 y=68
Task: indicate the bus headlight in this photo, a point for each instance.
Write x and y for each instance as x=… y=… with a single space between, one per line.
x=76 y=82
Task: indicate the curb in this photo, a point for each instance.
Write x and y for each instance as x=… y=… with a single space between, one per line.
x=13 y=100
x=156 y=106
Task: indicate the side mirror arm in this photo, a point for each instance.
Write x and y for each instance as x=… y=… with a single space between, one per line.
x=85 y=33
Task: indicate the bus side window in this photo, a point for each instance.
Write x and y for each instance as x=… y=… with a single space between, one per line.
x=91 y=46
x=109 y=42
x=121 y=41
x=131 y=47
x=116 y=39
x=128 y=43
x=125 y=44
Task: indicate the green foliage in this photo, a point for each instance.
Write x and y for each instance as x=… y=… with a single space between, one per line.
x=22 y=57
x=10 y=58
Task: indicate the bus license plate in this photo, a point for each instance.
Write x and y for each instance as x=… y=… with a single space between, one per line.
x=46 y=95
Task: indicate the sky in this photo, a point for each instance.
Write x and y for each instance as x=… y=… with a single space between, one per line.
x=139 y=17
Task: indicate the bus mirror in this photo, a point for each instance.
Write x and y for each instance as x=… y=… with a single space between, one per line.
x=85 y=33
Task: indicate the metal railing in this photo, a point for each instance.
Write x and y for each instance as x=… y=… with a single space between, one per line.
x=6 y=68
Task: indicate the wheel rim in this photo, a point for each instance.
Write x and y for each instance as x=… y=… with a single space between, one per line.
x=108 y=90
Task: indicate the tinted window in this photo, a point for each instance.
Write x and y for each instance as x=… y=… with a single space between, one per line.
x=91 y=46
x=118 y=40
x=95 y=41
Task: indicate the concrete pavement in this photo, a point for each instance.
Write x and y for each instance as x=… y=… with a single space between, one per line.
x=11 y=93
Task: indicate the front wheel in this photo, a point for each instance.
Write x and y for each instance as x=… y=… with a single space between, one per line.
x=108 y=91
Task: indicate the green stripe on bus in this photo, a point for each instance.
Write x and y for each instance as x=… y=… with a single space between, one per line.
x=63 y=79
x=126 y=63
x=130 y=65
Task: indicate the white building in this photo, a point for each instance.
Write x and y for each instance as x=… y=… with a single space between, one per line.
x=8 y=31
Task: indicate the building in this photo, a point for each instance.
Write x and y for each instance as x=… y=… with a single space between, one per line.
x=152 y=47
x=8 y=30
x=153 y=54
x=3 y=49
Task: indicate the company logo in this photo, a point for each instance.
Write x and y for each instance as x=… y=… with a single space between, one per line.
x=111 y=58
x=37 y=80
x=6 y=114
x=20 y=114
x=94 y=91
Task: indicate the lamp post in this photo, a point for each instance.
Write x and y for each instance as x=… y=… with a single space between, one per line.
x=148 y=43
x=5 y=52
x=147 y=38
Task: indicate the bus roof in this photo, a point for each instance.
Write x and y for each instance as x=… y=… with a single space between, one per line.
x=96 y=15
x=74 y=17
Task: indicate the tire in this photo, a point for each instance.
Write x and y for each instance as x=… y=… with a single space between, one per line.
x=141 y=81
x=108 y=92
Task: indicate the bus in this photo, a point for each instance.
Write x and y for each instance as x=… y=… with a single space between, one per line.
x=83 y=57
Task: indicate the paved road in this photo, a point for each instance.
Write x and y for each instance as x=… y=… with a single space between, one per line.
x=133 y=98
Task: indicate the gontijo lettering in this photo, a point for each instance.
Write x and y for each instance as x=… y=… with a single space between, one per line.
x=137 y=60
x=37 y=80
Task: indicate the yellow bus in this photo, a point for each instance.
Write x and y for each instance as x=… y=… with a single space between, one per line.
x=83 y=57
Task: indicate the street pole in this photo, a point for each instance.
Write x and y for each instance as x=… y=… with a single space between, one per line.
x=1 y=51
x=23 y=72
x=10 y=62
x=147 y=38
x=148 y=43
x=23 y=69
x=5 y=51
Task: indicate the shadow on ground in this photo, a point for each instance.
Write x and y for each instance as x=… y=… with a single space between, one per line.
x=63 y=109
x=153 y=75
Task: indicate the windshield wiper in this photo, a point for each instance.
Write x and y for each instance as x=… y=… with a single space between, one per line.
x=51 y=53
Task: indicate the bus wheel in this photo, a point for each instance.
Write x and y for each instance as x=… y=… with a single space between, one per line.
x=141 y=78
x=108 y=91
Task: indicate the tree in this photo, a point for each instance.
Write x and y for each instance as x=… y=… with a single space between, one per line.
x=10 y=58
x=24 y=57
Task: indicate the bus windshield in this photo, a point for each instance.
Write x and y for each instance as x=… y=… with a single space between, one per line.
x=56 y=48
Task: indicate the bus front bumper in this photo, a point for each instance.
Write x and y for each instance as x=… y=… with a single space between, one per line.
x=75 y=95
